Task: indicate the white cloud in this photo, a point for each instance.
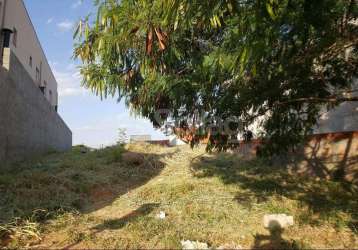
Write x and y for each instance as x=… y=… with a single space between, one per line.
x=77 y=4
x=65 y=25
x=69 y=82
x=53 y=64
x=82 y=111
x=71 y=66
x=70 y=92
x=50 y=20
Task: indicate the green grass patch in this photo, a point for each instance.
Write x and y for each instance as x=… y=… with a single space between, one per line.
x=95 y=199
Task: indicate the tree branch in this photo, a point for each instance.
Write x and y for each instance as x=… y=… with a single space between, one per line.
x=320 y=100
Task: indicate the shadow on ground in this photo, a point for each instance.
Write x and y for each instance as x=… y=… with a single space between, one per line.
x=259 y=181
x=81 y=181
x=115 y=224
x=272 y=241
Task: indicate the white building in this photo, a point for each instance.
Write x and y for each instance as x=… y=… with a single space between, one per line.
x=18 y=34
x=139 y=138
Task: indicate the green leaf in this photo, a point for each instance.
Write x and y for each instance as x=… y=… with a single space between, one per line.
x=78 y=30
x=243 y=60
x=270 y=10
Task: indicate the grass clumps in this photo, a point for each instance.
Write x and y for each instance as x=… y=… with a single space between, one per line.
x=110 y=198
x=42 y=190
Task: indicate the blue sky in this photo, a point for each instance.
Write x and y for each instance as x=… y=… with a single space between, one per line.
x=93 y=122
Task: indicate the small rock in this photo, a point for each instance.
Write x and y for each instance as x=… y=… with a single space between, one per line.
x=187 y=244
x=274 y=221
x=161 y=215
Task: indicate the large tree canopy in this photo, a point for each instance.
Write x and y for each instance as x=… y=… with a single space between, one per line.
x=207 y=62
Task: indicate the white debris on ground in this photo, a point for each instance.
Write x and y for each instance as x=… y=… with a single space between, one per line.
x=161 y=215
x=273 y=221
x=187 y=244
x=230 y=246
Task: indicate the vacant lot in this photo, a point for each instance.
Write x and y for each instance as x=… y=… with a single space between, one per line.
x=111 y=198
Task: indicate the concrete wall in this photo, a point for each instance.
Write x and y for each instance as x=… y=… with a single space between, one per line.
x=28 y=45
x=343 y=118
x=139 y=138
x=28 y=124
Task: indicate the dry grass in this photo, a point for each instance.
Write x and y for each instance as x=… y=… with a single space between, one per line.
x=97 y=200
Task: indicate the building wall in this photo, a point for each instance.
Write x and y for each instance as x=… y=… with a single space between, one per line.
x=28 y=124
x=139 y=138
x=343 y=118
x=329 y=155
x=28 y=45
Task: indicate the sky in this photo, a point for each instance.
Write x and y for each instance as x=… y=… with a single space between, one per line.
x=94 y=122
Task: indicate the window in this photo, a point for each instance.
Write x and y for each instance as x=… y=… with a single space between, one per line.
x=14 y=37
x=30 y=61
x=37 y=75
x=42 y=89
x=50 y=96
x=6 y=33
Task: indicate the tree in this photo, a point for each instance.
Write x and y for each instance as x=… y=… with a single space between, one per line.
x=122 y=136
x=200 y=63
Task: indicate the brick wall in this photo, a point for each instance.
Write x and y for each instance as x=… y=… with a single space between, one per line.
x=327 y=155
x=28 y=124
